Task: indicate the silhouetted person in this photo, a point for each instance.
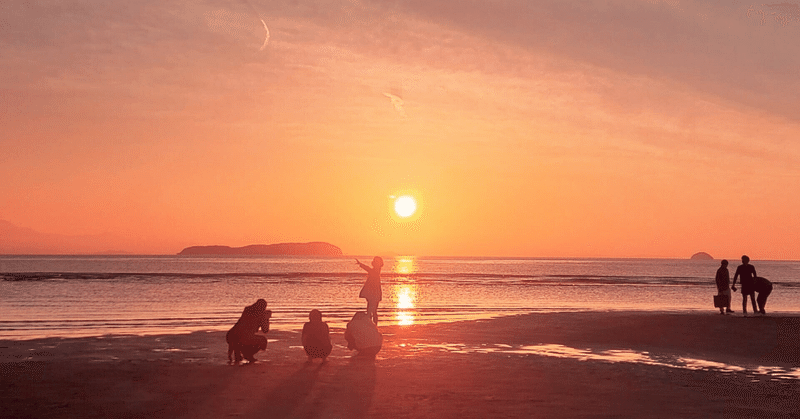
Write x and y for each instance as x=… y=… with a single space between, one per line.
x=362 y=335
x=723 y=286
x=372 y=288
x=316 y=337
x=764 y=288
x=242 y=339
x=747 y=272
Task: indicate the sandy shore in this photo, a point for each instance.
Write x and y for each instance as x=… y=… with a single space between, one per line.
x=588 y=364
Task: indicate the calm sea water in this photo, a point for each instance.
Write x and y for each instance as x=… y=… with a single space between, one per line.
x=66 y=296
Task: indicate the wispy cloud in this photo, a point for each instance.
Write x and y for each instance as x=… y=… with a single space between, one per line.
x=782 y=13
x=397 y=103
x=728 y=49
x=235 y=23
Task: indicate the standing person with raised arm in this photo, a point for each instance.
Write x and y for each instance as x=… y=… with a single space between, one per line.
x=748 y=274
x=372 y=287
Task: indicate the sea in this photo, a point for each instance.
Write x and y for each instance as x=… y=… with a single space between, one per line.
x=82 y=296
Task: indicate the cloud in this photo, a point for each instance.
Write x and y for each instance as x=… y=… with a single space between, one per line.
x=782 y=13
x=397 y=103
x=258 y=15
x=728 y=50
x=235 y=24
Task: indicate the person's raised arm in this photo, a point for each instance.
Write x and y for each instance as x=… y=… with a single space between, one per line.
x=364 y=267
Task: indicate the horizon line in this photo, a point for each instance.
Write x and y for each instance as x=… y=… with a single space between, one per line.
x=395 y=255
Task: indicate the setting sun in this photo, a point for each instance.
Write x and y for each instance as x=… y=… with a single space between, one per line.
x=405 y=206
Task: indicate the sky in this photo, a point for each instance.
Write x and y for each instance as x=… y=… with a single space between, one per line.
x=522 y=128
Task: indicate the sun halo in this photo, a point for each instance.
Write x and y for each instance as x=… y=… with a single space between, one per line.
x=405 y=206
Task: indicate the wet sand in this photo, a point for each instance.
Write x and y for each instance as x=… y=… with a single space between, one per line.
x=475 y=369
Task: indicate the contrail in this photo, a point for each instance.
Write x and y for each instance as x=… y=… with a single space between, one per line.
x=266 y=29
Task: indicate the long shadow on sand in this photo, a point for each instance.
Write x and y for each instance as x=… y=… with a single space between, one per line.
x=292 y=392
x=348 y=394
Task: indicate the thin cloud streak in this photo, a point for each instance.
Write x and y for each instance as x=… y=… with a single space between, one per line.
x=266 y=29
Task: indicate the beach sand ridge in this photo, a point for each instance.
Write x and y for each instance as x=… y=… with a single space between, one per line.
x=483 y=368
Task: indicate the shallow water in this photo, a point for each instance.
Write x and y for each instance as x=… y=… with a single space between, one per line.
x=47 y=296
x=758 y=372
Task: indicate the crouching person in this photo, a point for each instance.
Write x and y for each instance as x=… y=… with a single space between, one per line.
x=242 y=339
x=362 y=335
x=316 y=337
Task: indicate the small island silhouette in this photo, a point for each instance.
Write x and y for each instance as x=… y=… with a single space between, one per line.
x=702 y=256
x=300 y=249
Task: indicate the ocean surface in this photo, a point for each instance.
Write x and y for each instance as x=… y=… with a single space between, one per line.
x=72 y=296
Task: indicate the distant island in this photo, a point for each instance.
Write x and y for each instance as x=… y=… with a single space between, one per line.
x=300 y=249
x=702 y=256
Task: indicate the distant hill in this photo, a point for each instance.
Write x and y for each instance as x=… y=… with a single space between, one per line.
x=15 y=240
x=702 y=256
x=305 y=249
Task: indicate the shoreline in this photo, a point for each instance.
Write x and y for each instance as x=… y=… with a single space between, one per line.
x=677 y=331
x=470 y=368
x=340 y=321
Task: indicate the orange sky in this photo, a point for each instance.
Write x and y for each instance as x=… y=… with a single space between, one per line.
x=613 y=129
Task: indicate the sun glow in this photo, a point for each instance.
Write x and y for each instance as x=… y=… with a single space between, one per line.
x=405 y=206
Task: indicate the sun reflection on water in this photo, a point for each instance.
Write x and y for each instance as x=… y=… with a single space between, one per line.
x=405 y=291
x=404 y=318
x=405 y=296
x=405 y=265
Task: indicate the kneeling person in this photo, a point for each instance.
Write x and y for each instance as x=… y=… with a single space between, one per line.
x=242 y=339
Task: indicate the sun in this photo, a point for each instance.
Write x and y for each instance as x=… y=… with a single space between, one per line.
x=405 y=206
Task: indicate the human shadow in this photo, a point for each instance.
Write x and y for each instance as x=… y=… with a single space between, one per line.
x=292 y=392
x=349 y=393
x=787 y=348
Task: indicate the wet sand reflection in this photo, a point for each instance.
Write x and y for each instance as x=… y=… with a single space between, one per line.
x=614 y=356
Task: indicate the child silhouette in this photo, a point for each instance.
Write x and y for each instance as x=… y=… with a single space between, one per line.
x=372 y=287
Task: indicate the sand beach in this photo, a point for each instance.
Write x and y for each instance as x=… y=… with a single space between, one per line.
x=579 y=364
